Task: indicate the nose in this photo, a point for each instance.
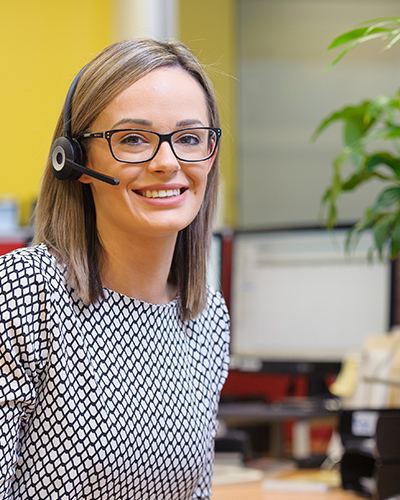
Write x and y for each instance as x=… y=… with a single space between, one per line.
x=164 y=161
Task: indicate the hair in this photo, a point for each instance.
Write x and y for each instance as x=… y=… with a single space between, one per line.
x=65 y=217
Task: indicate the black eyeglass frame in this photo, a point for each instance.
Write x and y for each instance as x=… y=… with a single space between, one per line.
x=161 y=138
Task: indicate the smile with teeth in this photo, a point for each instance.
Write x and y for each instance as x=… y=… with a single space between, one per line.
x=161 y=193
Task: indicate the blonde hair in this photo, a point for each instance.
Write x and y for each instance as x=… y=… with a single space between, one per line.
x=65 y=218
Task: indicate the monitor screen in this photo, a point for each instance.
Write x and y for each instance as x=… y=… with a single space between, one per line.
x=298 y=296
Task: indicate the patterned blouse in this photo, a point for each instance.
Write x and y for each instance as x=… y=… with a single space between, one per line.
x=116 y=400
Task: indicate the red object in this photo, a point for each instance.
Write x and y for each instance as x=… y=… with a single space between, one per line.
x=9 y=245
x=226 y=271
x=262 y=385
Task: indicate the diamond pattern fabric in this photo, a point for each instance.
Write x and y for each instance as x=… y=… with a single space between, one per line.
x=116 y=400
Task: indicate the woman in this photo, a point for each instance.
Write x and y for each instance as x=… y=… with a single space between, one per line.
x=114 y=350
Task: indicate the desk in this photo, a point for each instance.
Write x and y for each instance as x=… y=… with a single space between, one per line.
x=234 y=414
x=307 y=408
x=254 y=491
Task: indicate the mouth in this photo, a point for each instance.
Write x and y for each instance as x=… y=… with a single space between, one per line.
x=160 y=193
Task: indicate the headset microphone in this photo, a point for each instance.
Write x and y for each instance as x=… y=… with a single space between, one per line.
x=67 y=156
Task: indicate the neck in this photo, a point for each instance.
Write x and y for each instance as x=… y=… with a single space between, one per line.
x=140 y=268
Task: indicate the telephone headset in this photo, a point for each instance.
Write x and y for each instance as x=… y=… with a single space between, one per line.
x=67 y=155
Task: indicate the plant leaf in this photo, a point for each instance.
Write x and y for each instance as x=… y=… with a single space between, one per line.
x=358 y=34
x=388 y=198
x=381 y=20
x=359 y=178
x=383 y=158
x=329 y=199
x=354 y=129
x=353 y=45
x=395 y=238
x=340 y=56
x=346 y=113
x=375 y=120
x=382 y=229
x=332 y=215
x=392 y=42
x=386 y=132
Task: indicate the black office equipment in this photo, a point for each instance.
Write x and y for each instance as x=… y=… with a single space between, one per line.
x=67 y=155
x=371 y=461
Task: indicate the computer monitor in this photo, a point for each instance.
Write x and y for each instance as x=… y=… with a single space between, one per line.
x=300 y=303
x=214 y=265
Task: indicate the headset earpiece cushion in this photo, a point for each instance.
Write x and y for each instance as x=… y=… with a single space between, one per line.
x=63 y=151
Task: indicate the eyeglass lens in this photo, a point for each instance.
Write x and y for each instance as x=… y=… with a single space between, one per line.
x=193 y=144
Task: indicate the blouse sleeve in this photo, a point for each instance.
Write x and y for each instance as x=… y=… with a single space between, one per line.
x=22 y=311
x=221 y=349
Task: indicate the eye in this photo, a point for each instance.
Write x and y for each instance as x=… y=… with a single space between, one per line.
x=188 y=139
x=132 y=139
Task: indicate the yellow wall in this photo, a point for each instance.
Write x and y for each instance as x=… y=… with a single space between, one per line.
x=208 y=27
x=44 y=44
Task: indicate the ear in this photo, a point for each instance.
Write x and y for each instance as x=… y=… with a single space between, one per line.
x=85 y=179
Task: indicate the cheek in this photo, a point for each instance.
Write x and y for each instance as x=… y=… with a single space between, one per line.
x=201 y=193
x=98 y=155
x=208 y=178
x=200 y=177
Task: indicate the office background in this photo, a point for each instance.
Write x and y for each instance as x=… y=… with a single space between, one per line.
x=44 y=45
x=266 y=59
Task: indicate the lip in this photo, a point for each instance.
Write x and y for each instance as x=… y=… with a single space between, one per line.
x=167 y=201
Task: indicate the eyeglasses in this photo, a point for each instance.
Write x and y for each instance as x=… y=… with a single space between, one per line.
x=139 y=146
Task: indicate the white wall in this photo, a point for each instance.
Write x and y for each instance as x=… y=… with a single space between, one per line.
x=284 y=94
x=148 y=18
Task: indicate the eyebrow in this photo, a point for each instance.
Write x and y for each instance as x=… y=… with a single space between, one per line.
x=185 y=123
x=137 y=121
x=147 y=123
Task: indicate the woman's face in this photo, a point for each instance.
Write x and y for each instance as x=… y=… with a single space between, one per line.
x=162 y=196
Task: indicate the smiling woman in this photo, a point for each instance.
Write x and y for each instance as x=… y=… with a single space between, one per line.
x=118 y=350
x=164 y=98
x=102 y=99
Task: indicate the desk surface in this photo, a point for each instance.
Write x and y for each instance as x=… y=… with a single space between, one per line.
x=254 y=491
x=277 y=411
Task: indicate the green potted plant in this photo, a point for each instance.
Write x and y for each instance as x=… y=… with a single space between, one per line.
x=371 y=136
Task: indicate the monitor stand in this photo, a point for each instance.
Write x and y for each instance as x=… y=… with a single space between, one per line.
x=304 y=458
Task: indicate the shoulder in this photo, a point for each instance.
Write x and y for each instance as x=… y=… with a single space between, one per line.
x=25 y=266
x=211 y=335
x=216 y=307
x=27 y=282
x=215 y=297
x=213 y=323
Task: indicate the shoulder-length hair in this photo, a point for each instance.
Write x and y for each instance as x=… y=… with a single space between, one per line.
x=65 y=217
